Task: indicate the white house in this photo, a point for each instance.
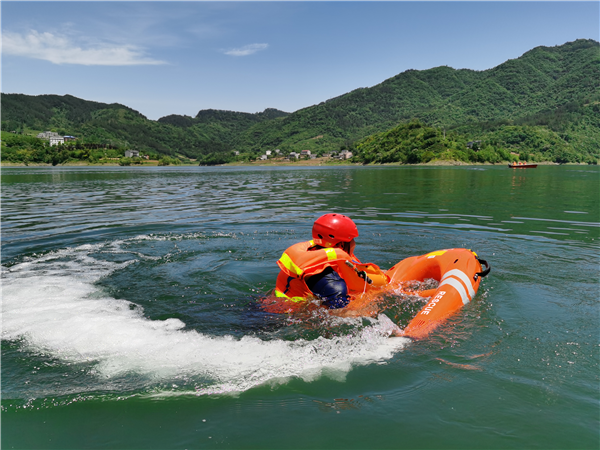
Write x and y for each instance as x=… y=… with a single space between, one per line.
x=47 y=134
x=263 y=157
x=55 y=140
x=268 y=153
x=345 y=154
x=132 y=154
x=305 y=153
x=293 y=155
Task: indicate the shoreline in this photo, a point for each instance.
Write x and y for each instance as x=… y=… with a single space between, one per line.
x=309 y=163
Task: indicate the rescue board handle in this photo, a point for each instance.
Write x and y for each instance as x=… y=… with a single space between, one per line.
x=361 y=273
x=485 y=272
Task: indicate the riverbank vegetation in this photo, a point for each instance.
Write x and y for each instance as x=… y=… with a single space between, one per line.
x=25 y=150
x=542 y=106
x=415 y=143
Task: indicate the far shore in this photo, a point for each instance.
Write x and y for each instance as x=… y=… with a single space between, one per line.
x=274 y=163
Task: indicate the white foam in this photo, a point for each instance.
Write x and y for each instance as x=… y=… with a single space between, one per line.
x=52 y=305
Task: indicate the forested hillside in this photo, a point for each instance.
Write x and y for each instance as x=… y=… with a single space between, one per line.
x=544 y=105
x=117 y=125
x=557 y=88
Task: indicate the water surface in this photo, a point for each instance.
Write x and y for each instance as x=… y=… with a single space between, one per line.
x=130 y=316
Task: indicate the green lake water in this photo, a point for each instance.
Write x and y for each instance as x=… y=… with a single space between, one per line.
x=130 y=314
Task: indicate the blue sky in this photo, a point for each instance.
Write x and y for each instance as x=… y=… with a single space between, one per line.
x=163 y=58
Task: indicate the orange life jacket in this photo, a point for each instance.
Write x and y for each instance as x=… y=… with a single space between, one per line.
x=305 y=259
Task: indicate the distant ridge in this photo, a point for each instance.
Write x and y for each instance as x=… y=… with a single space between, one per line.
x=553 y=87
x=542 y=79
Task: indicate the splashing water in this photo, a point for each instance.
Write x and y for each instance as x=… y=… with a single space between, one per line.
x=53 y=305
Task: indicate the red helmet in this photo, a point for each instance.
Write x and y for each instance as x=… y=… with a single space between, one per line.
x=331 y=229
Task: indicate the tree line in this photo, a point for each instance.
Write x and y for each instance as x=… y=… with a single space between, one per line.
x=543 y=105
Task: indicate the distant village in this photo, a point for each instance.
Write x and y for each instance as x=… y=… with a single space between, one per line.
x=55 y=139
x=306 y=154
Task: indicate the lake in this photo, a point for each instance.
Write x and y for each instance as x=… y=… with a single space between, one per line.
x=131 y=317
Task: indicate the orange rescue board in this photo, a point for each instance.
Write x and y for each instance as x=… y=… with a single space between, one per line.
x=458 y=271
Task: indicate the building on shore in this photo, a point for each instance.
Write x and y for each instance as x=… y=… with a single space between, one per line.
x=47 y=134
x=132 y=154
x=55 y=140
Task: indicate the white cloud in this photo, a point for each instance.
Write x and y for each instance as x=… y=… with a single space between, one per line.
x=61 y=50
x=246 y=50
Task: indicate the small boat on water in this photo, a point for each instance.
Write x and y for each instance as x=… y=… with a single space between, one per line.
x=522 y=166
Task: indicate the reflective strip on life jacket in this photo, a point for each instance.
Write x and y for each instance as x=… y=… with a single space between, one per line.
x=293 y=299
x=331 y=255
x=302 y=260
x=289 y=264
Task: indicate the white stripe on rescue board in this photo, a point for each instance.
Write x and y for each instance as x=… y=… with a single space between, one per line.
x=458 y=286
x=462 y=277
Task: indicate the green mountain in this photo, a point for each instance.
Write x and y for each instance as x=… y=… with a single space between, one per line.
x=523 y=90
x=544 y=105
x=114 y=124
